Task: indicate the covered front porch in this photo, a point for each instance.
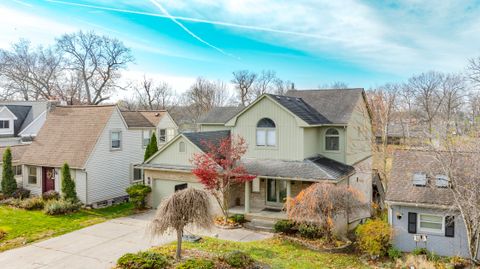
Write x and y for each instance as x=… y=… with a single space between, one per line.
x=264 y=197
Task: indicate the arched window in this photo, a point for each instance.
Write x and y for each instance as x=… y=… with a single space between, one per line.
x=332 y=139
x=266 y=133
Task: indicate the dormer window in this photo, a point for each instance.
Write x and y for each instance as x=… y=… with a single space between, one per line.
x=266 y=133
x=332 y=140
x=419 y=179
x=4 y=124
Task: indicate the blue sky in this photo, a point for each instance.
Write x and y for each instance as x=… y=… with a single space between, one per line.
x=362 y=43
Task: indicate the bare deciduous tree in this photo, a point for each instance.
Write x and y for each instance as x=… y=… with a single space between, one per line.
x=453 y=94
x=188 y=206
x=154 y=95
x=264 y=83
x=243 y=81
x=474 y=70
x=31 y=73
x=98 y=60
x=426 y=89
x=334 y=85
x=460 y=161
x=383 y=106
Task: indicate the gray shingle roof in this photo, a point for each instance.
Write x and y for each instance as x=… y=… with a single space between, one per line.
x=21 y=113
x=202 y=139
x=220 y=114
x=400 y=187
x=336 y=105
x=316 y=168
x=300 y=108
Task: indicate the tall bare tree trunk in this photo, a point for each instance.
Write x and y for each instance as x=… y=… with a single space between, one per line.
x=178 y=253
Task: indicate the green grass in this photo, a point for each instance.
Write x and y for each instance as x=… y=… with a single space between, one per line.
x=24 y=226
x=279 y=253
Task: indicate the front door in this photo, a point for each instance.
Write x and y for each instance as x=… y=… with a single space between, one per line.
x=48 y=179
x=276 y=192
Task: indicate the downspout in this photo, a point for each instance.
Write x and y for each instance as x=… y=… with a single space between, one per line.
x=86 y=187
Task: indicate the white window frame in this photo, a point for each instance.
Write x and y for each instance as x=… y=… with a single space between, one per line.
x=164 y=136
x=119 y=138
x=30 y=175
x=16 y=168
x=332 y=136
x=133 y=175
x=266 y=131
x=143 y=137
x=5 y=120
x=429 y=230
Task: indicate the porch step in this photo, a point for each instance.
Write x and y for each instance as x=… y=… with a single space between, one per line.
x=260 y=225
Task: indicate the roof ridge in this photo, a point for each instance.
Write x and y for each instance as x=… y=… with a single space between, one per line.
x=328 y=89
x=84 y=106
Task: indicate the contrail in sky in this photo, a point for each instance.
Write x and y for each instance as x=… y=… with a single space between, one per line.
x=165 y=12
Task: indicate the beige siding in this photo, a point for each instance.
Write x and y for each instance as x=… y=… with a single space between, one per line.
x=289 y=135
x=359 y=134
x=35 y=189
x=208 y=128
x=172 y=156
x=109 y=171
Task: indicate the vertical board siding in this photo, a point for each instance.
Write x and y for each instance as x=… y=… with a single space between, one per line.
x=359 y=134
x=172 y=156
x=108 y=172
x=289 y=136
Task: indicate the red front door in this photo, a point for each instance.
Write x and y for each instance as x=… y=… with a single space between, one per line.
x=48 y=179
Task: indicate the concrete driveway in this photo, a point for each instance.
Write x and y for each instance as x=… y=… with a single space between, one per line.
x=100 y=245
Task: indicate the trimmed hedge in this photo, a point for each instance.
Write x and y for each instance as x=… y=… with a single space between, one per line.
x=59 y=207
x=373 y=237
x=238 y=259
x=143 y=260
x=196 y=264
x=138 y=193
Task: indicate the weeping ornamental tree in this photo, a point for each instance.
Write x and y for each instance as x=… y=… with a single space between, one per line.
x=68 y=185
x=188 y=206
x=219 y=168
x=9 y=185
x=152 y=147
x=320 y=203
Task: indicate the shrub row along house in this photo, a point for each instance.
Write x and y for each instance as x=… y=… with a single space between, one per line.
x=100 y=143
x=293 y=141
x=422 y=206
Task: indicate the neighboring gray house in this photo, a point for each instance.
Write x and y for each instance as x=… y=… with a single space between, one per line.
x=100 y=144
x=20 y=121
x=420 y=206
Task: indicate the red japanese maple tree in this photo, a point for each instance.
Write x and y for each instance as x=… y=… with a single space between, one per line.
x=220 y=167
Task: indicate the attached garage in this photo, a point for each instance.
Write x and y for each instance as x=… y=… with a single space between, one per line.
x=163 y=188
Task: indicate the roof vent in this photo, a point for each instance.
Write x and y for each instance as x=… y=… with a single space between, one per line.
x=441 y=181
x=157 y=114
x=420 y=179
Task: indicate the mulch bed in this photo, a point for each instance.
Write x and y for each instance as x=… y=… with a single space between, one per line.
x=317 y=245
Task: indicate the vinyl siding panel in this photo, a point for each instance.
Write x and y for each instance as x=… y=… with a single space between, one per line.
x=289 y=136
x=359 y=134
x=35 y=189
x=172 y=156
x=108 y=171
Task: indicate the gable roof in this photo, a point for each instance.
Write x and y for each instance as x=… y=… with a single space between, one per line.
x=336 y=105
x=219 y=114
x=400 y=186
x=315 y=168
x=300 y=108
x=202 y=139
x=69 y=135
x=21 y=112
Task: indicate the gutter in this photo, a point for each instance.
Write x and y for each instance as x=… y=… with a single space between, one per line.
x=425 y=205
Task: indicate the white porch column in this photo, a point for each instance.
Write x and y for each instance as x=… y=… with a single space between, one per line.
x=289 y=189
x=247 y=197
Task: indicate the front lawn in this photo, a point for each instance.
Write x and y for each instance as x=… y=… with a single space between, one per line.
x=24 y=226
x=277 y=253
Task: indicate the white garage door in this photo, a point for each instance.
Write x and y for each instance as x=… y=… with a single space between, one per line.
x=163 y=188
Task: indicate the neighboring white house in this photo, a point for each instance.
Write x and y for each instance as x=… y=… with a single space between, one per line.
x=20 y=121
x=100 y=143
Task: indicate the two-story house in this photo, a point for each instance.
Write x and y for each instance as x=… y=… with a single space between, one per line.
x=101 y=144
x=20 y=121
x=293 y=141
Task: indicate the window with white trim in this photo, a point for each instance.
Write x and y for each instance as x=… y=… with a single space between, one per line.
x=137 y=174
x=146 y=135
x=116 y=140
x=32 y=175
x=4 y=124
x=162 y=135
x=430 y=223
x=266 y=133
x=332 y=140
